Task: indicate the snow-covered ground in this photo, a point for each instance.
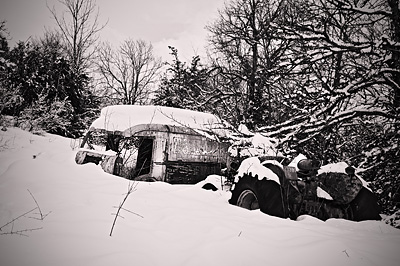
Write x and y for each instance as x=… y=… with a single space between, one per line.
x=163 y=224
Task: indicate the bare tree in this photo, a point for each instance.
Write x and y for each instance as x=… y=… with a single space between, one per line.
x=246 y=45
x=127 y=75
x=351 y=53
x=79 y=27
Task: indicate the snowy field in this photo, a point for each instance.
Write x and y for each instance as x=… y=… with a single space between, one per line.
x=163 y=224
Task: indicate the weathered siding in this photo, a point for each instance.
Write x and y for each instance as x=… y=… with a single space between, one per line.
x=181 y=155
x=194 y=148
x=190 y=172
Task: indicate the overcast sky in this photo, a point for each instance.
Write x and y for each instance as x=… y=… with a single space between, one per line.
x=179 y=23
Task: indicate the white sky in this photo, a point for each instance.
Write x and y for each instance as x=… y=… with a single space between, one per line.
x=179 y=23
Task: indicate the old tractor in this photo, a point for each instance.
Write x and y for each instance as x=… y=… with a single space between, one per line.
x=304 y=187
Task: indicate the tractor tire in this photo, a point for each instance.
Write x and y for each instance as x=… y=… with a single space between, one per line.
x=251 y=193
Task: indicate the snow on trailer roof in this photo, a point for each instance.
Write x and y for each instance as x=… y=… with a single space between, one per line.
x=124 y=117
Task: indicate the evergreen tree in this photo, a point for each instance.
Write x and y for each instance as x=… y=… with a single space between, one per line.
x=181 y=85
x=37 y=73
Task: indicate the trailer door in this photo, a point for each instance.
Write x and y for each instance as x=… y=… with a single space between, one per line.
x=144 y=157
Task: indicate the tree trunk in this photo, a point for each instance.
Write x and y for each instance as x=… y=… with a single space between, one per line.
x=395 y=62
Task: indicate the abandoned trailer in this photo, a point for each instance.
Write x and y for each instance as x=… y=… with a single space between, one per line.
x=156 y=143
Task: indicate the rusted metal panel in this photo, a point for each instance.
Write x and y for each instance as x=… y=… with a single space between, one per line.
x=190 y=172
x=193 y=148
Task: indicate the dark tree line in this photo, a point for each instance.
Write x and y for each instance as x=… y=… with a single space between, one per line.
x=39 y=87
x=46 y=83
x=59 y=82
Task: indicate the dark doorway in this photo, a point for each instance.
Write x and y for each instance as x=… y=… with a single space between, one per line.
x=144 y=157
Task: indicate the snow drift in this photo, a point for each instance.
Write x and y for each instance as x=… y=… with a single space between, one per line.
x=162 y=224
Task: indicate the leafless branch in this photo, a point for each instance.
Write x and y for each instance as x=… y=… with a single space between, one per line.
x=129 y=72
x=22 y=232
x=131 y=188
x=42 y=216
x=79 y=26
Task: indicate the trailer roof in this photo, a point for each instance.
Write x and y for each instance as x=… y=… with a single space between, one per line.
x=124 y=117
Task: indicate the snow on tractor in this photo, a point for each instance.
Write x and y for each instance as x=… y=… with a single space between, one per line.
x=277 y=188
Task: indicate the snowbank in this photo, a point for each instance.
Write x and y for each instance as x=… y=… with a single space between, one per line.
x=161 y=224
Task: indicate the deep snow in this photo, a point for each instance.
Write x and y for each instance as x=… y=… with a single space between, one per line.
x=167 y=224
